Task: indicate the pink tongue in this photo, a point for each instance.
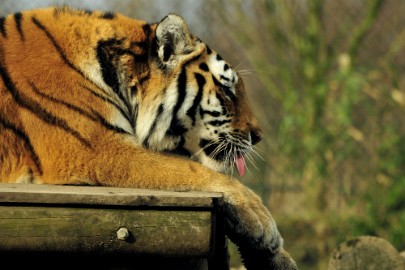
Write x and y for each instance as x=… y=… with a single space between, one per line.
x=240 y=164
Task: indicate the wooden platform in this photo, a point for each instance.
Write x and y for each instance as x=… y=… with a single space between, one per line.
x=110 y=228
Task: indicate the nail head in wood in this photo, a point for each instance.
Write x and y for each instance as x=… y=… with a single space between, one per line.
x=122 y=233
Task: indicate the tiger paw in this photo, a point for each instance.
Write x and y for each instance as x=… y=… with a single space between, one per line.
x=251 y=227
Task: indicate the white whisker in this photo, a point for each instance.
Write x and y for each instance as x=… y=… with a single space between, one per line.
x=258 y=73
x=255 y=150
x=202 y=149
x=251 y=160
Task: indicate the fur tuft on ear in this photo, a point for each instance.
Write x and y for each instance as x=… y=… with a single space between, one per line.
x=173 y=37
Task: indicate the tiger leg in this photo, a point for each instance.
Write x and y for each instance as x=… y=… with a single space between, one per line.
x=249 y=224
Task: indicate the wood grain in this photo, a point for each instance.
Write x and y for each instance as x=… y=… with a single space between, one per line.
x=92 y=230
x=85 y=220
x=97 y=195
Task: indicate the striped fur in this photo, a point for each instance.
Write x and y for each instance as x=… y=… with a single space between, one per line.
x=96 y=98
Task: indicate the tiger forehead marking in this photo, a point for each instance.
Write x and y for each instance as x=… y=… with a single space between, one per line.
x=222 y=71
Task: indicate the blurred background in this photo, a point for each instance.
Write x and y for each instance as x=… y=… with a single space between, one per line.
x=326 y=78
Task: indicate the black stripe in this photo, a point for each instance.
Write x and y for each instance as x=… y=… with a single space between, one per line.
x=176 y=128
x=144 y=45
x=192 y=111
x=154 y=52
x=108 y=125
x=88 y=12
x=225 y=89
x=180 y=150
x=21 y=134
x=64 y=103
x=108 y=100
x=153 y=126
x=229 y=93
x=108 y=70
x=216 y=82
x=57 y=47
x=204 y=67
x=146 y=30
x=217 y=123
x=220 y=99
x=18 y=19
x=134 y=90
x=36 y=108
x=31 y=178
x=224 y=78
x=212 y=113
x=3 y=27
x=108 y=16
x=145 y=78
x=96 y=117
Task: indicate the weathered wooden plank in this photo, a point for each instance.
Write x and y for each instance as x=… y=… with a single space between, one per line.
x=77 y=224
x=90 y=230
x=96 y=195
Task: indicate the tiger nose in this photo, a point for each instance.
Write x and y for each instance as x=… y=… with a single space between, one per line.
x=256 y=135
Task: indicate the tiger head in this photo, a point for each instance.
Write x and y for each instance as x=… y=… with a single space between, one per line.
x=194 y=103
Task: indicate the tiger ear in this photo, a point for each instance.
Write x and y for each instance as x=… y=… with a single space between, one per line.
x=173 y=37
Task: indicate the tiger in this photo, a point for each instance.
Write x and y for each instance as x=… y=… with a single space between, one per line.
x=100 y=99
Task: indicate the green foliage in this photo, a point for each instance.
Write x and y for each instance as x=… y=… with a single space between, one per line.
x=340 y=134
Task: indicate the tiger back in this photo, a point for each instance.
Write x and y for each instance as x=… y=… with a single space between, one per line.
x=96 y=98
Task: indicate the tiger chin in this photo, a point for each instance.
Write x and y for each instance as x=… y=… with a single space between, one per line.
x=96 y=98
